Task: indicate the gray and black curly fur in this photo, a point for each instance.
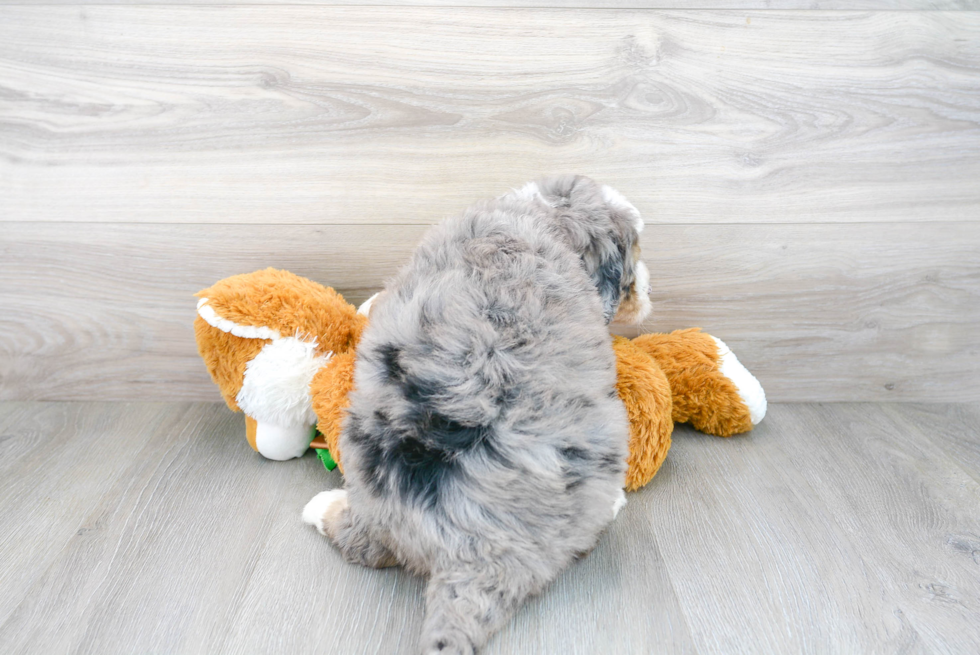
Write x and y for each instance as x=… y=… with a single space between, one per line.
x=485 y=444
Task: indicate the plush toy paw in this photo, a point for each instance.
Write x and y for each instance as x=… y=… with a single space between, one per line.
x=749 y=389
x=710 y=388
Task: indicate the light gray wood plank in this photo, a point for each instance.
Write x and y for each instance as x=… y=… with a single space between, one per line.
x=9 y=414
x=829 y=313
x=170 y=262
x=853 y=5
x=825 y=529
x=345 y=608
x=198 y=548
x=817 y=312
x=843 y=528
x=618 y=599
x=913 y=502
x=953 y=427
x=57 y=462
x=757 y=563
x=401 y=115
x=161 y=560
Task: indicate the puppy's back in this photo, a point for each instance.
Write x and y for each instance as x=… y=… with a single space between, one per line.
x=485 y=436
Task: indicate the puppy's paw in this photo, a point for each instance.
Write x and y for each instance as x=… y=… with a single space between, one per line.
x=619 y=504
x=324 y=509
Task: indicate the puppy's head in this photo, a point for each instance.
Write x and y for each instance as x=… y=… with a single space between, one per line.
x=604 y=227
x=634 y=298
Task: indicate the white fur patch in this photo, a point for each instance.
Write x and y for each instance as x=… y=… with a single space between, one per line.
x=615 y=199
x=325 y=502
x=634 y=315
x=365 y=308
x=531 y=191
x=643 y=289
x=619 y=504
x=748 y=387
x=207 y=312
x=282 y=442
x=276 y=389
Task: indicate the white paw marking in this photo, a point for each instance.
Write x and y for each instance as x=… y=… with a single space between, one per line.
x=619 y=504
x=748 y=387
x=324 y=504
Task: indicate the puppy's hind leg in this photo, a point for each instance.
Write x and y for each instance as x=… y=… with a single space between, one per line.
x=466 y=605
x=330 y=513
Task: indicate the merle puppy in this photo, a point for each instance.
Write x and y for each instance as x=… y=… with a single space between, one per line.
x=485 y=444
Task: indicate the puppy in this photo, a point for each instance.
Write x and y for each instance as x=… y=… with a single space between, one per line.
x=485 y=445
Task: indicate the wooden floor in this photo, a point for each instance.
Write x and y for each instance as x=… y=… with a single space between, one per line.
x=153 y=528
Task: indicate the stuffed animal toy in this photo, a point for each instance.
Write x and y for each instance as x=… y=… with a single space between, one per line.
x=264 y=336
x=281 y=349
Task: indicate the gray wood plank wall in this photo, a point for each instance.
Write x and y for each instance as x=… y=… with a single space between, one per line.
x=810 y=178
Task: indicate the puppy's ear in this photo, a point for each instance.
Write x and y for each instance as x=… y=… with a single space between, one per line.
x=608 y=278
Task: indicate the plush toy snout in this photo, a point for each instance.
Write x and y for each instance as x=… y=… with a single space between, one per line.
x=278 y=442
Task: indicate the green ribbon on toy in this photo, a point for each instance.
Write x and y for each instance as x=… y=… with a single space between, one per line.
x=326 y=458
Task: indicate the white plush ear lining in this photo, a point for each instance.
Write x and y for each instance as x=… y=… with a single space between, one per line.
x=211 y=317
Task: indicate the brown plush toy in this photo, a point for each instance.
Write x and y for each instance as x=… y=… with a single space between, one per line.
x=281 y=348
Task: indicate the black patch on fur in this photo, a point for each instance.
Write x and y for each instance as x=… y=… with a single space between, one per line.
x=417 y=458
x=576 y=459
x=607 y=280
x=373 y=455
x=416 y=452
x=415 y=389
x=573 y=454
x=354 y=431
x=389 y=359
x=610 y=463
x=452 y=436
x=418 y=470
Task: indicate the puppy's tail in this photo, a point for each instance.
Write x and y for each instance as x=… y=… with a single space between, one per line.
x=466 y=605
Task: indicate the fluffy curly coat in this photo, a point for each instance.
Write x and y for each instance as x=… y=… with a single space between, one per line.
x=485 y=443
